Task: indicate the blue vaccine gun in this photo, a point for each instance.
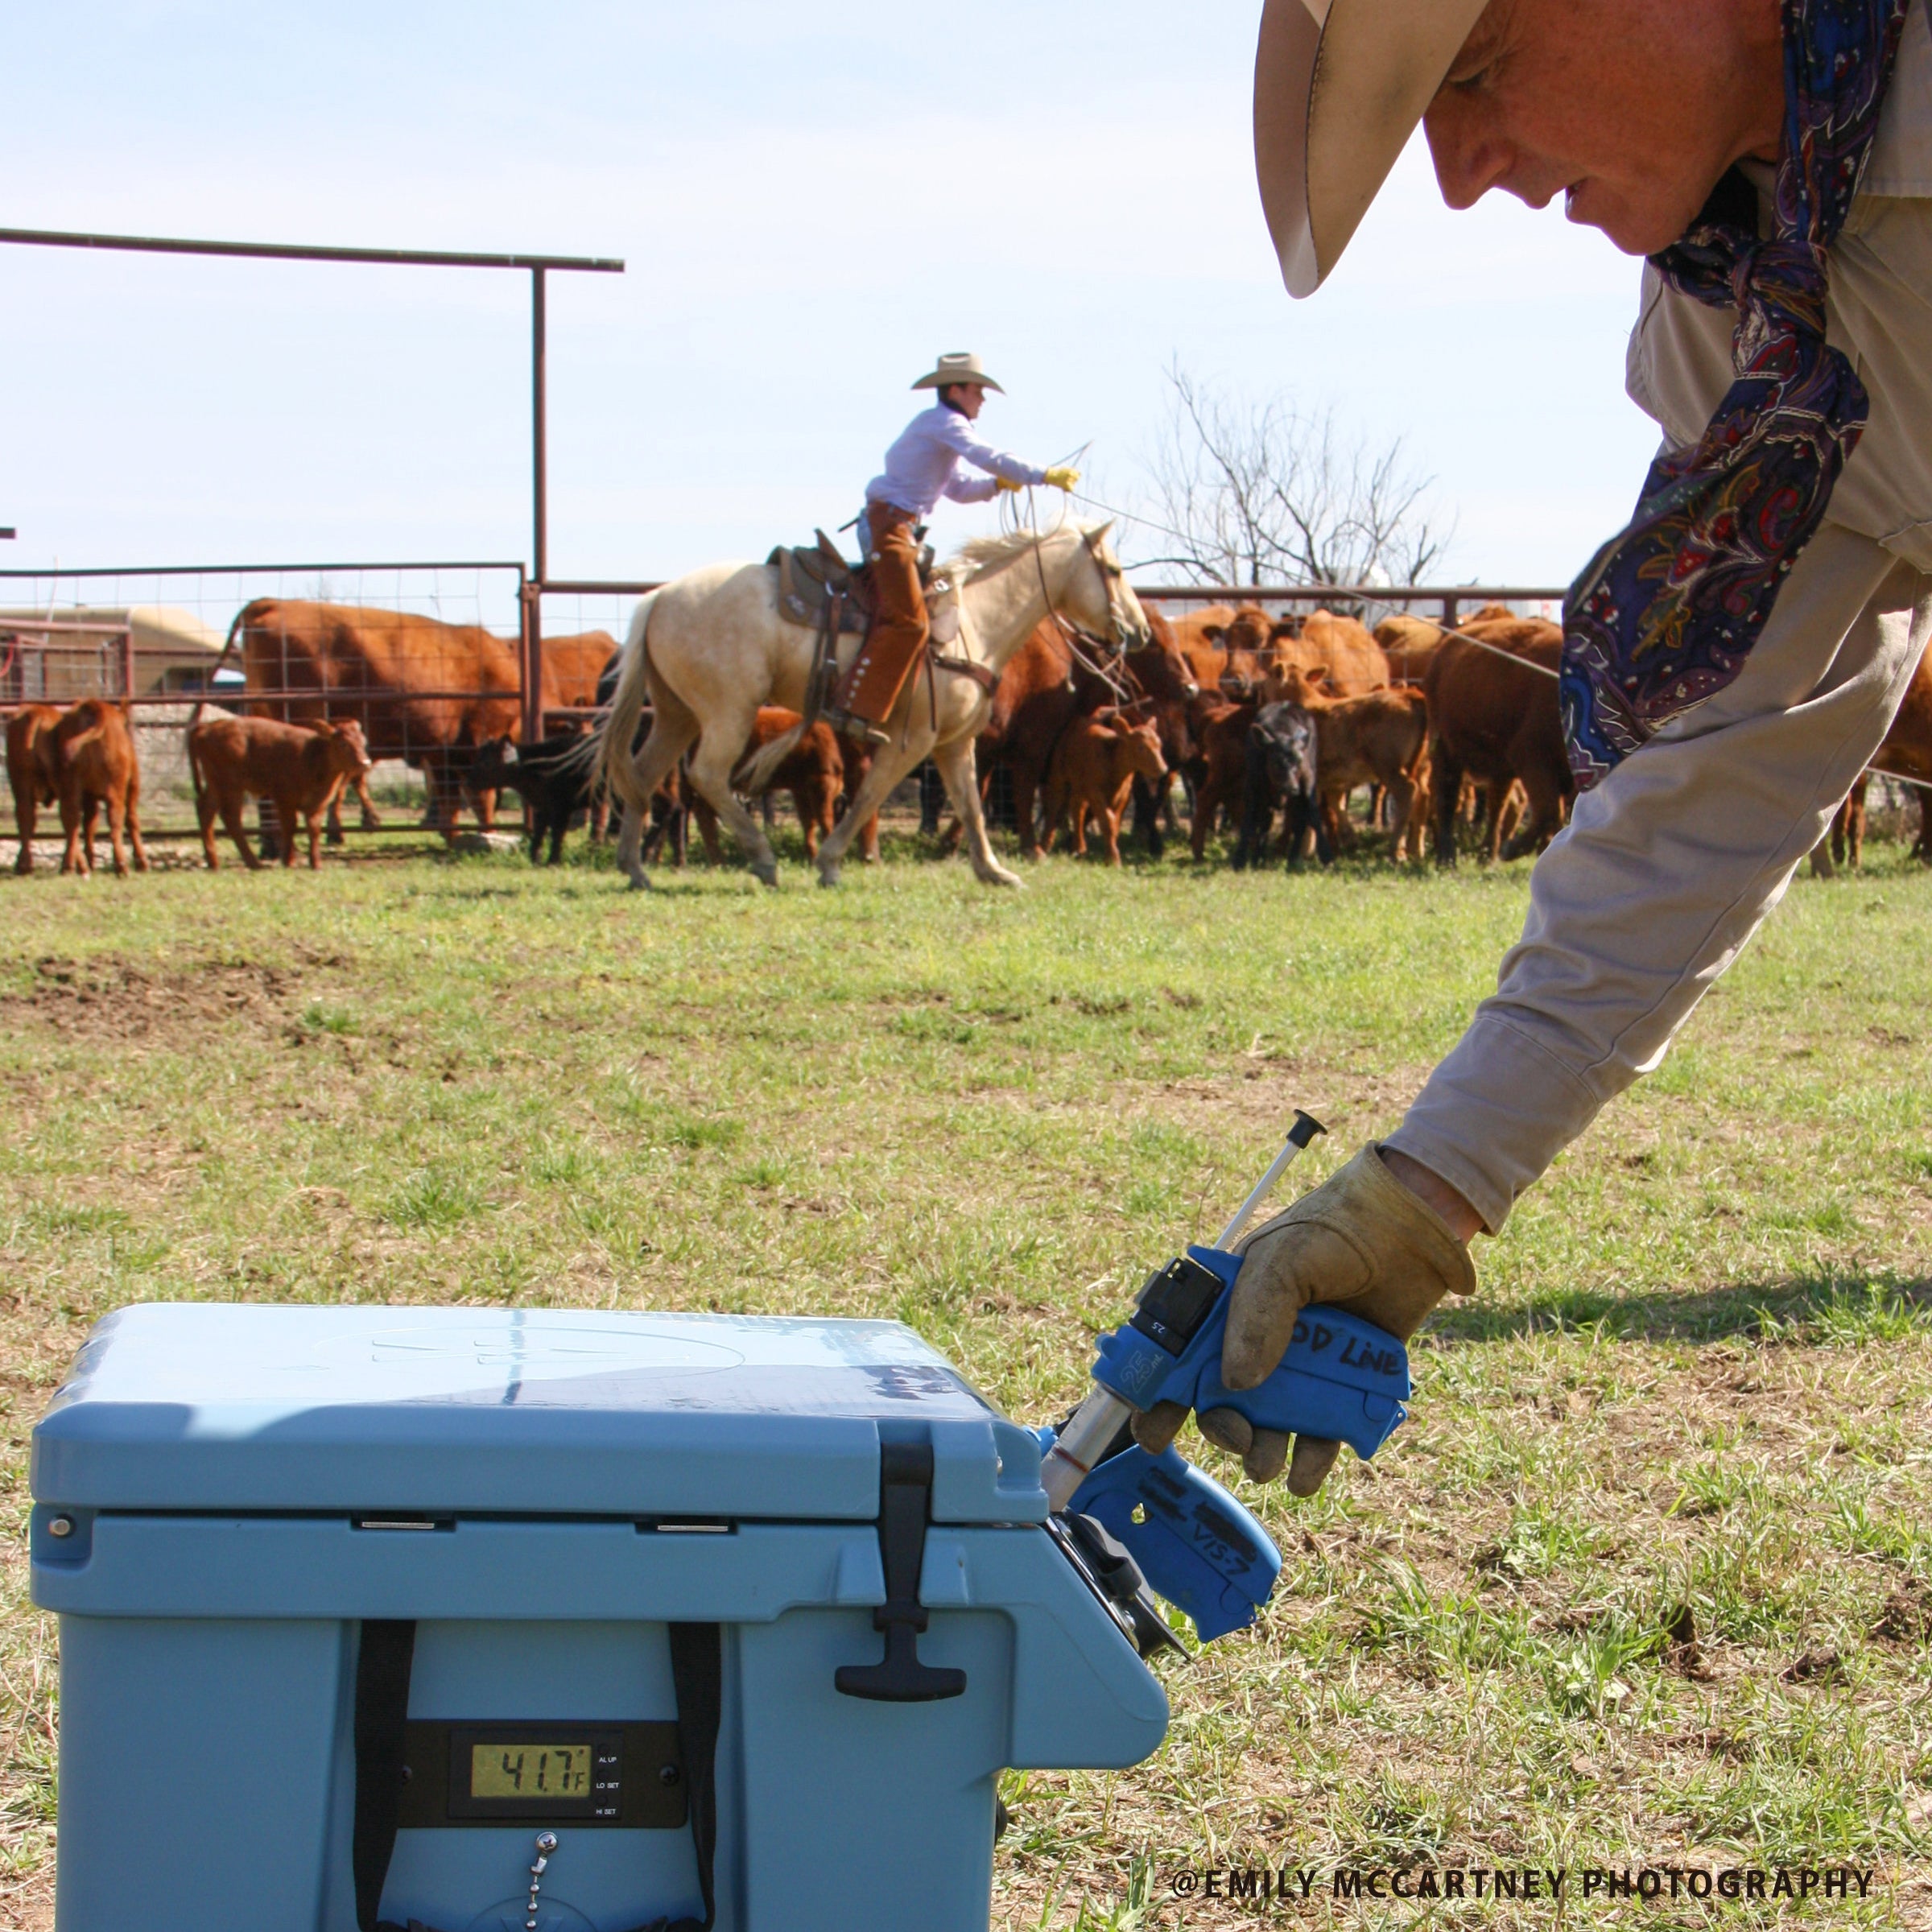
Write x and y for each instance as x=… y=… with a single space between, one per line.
x=1341 y=1378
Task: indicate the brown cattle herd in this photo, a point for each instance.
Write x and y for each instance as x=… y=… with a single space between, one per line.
x=1451 y=732
x=79 y=760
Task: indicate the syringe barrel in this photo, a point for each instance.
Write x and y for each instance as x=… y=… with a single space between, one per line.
x=1081 y=1444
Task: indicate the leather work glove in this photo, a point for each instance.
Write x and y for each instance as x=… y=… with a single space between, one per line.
x=1361 y=1242
x=1010 y=487
x=1061 y=477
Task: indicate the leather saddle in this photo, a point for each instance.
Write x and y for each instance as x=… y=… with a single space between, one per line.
x=820 y=591
x=811 y=576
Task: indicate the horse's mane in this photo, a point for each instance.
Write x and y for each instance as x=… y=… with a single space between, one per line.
x=984 y=553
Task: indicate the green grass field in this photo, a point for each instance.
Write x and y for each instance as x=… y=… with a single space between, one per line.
x=1646 y=1579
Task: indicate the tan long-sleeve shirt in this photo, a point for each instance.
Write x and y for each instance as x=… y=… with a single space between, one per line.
x=1672 y=862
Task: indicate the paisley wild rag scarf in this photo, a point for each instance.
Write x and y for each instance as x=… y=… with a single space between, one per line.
x=1665 y=613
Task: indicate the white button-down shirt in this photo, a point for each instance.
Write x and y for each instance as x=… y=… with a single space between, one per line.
x=923 y=465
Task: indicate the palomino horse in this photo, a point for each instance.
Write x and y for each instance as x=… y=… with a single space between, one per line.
x=711 y=648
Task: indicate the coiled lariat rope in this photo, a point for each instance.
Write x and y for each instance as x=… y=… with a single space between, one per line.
x=1013 y=523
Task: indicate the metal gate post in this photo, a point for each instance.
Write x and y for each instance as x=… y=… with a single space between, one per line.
x=533 y=590
x=530 y=665
x=539 y=437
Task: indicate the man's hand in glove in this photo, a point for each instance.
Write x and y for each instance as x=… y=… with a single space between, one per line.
x=1363 y=1242
x=1061 y=476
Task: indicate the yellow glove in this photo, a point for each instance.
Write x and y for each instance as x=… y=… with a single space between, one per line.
x=1010 y=488
x=1061 y=477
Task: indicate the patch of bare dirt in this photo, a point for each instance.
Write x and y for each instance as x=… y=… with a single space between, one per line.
x=1269 y=1085
x=1906 y=1619
x=108 y=999
x=1816 y=1667
x=27 y=1905
x=1683 y=1652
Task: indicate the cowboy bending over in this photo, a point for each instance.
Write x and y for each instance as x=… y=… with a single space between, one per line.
x=920 y=467
x=1733 y=659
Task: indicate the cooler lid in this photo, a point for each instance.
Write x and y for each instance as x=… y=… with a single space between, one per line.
x=547 y=1412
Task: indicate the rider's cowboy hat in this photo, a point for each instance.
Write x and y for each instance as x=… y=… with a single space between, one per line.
x=960 y=370
x=1339 y=88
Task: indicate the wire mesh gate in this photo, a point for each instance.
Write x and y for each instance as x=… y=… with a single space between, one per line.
x=432 y=660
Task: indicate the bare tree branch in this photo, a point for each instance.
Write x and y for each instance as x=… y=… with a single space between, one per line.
x=1255 y=492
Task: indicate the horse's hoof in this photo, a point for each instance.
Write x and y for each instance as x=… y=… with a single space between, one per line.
x=767 y=875
x=828 y=875
x=1000 y=875
x=639 y=882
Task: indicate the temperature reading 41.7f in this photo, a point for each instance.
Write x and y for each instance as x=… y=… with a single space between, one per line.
x=529 y=1770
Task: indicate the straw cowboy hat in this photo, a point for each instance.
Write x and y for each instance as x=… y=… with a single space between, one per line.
x=1339 y=88
x=961 y=369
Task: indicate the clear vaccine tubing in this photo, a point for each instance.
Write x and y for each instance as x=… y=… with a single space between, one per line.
x=1097 y=1421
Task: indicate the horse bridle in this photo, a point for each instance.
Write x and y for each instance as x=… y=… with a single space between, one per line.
x=1072 y=636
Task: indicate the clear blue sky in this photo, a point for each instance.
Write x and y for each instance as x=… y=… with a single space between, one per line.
x=812 y=201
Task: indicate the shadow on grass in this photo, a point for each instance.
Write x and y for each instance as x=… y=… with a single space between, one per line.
x=1843 y=1309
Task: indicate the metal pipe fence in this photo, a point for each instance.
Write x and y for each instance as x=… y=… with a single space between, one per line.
x=1451 y=602
x=536 y=267
x=430 y=658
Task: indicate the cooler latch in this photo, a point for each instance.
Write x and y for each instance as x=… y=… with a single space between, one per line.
x=905 y=1503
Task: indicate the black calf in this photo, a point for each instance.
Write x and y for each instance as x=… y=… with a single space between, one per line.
x=670 y=811
x=1281 y=777
x=1147 y=816
x=555 y=779
x=932 y=800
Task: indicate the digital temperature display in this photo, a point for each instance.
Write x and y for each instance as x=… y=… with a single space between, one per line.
x=545 y=1771
x=501 y=1771
x=529 y=1772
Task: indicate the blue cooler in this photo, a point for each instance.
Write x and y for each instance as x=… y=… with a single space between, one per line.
x=483 y=1621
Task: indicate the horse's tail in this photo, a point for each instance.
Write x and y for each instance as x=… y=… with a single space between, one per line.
x=610 y=746
x=753 y=777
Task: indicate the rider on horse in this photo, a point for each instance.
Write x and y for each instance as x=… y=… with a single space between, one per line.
x=920 y=468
